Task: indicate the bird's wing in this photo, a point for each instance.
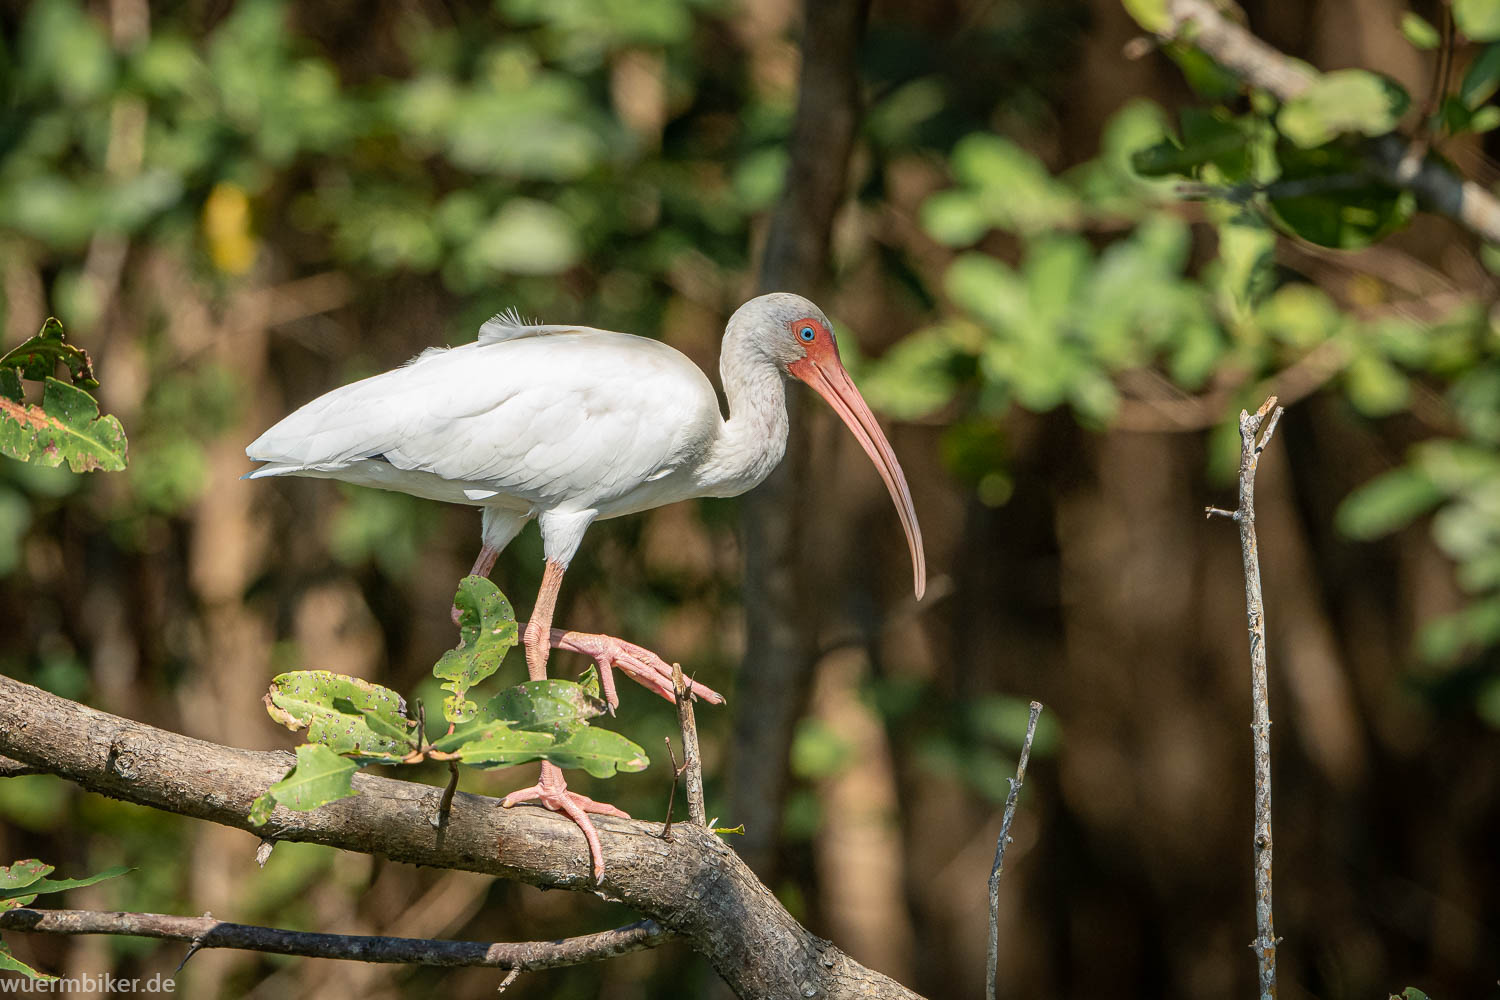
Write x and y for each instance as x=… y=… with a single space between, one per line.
x=581 y=416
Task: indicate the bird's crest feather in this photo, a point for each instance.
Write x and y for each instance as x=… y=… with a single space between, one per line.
x=510 y=325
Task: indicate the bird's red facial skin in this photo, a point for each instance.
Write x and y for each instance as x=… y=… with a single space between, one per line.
x=822 y=349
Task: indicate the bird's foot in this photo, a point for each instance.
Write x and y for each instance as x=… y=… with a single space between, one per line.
x=640 y=663
x=552 y=791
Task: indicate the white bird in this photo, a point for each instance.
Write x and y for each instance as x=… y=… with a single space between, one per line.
x=570 y=424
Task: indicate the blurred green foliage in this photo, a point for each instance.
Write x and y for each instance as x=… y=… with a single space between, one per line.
x=1106 y=281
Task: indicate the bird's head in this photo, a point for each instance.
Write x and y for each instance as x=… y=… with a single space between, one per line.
x=796 y=334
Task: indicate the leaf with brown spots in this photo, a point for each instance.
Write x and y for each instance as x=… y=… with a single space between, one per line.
x=38 y=357
x=66 y=427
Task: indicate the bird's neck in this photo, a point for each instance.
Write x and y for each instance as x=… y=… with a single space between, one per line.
x=752 y=441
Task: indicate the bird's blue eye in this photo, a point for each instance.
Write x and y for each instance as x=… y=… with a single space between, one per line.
x=807 y=333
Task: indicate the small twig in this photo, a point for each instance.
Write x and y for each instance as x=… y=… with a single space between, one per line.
x=445 y=804
x=1255 y=433
x=692 y=762
x=666 y=830
x=510 y=977
x=993 y=953
x=206 y=932
x=1302 y=187
x=194 y=947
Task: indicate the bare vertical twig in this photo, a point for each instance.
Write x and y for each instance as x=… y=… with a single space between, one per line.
x=692 y=763
x=666 y=828
x=1255 y=433
x=1010 y=814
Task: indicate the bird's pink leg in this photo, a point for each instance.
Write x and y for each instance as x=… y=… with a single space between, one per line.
x=653 y=673
x=551 y=790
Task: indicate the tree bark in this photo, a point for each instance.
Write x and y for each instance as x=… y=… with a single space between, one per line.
x=694 y=886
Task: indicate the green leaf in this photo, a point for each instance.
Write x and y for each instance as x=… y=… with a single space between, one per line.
x=16 y=881
x=1419 y=31
x=38 y=357
x=1336 y=204
x=1247 y=262
x=920 y=374
x=320 y=777
x=955 y=217
x=1346 y=100
x=600 y=752
x=22 y=882
x=1386 y=503
x=487 y=631
x=1375 y=386
x=1014 y=190
x=545 y=704
x=1150 y=14
x=1485 y=119
x=548 y=706
x=525 y=237
x=59 y=885
x=542 y=720
x=67 y=427
x=10 y=963
x=1205 y=74
x=348 y=715
x=1483 y=77
x=262 y=808
x=1479 y=20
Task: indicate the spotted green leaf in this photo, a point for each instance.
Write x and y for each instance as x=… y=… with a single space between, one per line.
x=600 y=752
x=346 y=714
x=23 y=881
x=543 y=720
x=17 y=879
x=38 y=357
x=320 y=777
x=61 y=884
x=487 y=631
x=66 y=427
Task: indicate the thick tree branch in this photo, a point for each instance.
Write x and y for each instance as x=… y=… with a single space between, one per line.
x=1392 y=158
x=1255 y=433
x=695 y=886
x=208 y=932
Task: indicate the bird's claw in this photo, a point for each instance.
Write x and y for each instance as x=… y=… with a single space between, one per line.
x=552 y=791
x=648 y=669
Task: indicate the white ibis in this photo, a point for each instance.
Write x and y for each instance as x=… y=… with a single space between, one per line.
x=569 y=424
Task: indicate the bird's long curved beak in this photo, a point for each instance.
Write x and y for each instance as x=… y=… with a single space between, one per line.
x=827 y=376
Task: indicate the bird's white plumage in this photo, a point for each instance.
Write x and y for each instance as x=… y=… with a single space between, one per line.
x=530 y=419
x=568 y=424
